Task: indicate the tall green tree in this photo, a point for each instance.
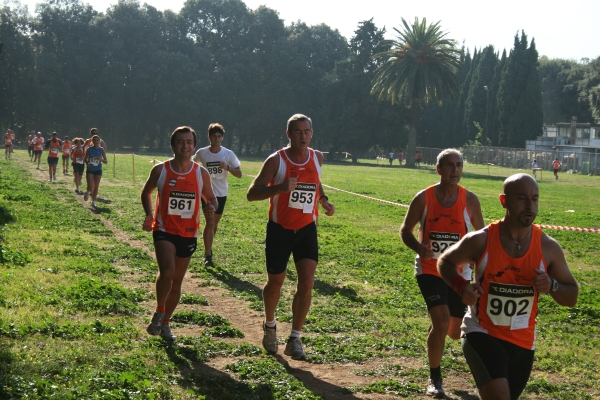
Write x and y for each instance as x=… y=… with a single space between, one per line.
x=590 y=88
x=477 y=101
x=420 y=67
x=516 y=94
x=17 y=105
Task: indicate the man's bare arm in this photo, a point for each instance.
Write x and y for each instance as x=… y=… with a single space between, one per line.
x=260 y=189
x=411 y=219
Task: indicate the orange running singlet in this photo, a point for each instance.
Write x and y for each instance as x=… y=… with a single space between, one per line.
x=296 y=209
x=66 y=148
x=443 y=227
x=508 y=307
x=53 y=149
x=38 y=143
x=178 y=201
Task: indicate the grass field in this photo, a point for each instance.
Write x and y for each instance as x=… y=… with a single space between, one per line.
x=76 y=293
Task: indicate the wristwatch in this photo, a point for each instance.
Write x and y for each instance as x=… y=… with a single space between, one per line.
x=554 y=286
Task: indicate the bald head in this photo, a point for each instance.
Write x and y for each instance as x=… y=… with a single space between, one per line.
x=520 y=199
x=512 y=182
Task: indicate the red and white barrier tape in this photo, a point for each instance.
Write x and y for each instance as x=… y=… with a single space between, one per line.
x=556 y=227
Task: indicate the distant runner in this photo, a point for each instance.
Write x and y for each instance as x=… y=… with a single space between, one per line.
x=556 y=166
x=38 y=148
x=66 y=154
x=8 y=140
x=77 y=156
x=94 y=157
x=53 y=145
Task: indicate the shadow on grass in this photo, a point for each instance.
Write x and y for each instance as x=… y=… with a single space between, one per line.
x=317 y=386
x=326 y=289
x=5 y=216
x=232 y=281
x=470 y=175
x=204 y=380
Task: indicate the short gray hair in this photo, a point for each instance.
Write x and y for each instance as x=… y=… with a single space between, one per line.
x=445 y=153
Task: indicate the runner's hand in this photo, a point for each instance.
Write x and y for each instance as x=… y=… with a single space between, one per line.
x=328 y=207
x=471 y=293
x=289 y=184
x=147 y=225
x=425 y=253
x=542 y=281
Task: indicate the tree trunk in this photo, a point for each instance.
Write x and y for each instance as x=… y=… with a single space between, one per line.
x=415 y=112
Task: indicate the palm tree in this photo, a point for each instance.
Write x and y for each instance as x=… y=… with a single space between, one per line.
x=420 y=66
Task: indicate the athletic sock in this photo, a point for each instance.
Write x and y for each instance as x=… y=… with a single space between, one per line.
x=295 y=334
x=161 y=309
x=271 y=324
x=435 y=373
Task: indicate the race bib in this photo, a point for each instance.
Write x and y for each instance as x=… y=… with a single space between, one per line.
x=54 y=150
x=182 y=204
x=303 y=197
x=95 y=161
x=439 y=242
x=79 y=160
x=510 y=305
x=214 y=167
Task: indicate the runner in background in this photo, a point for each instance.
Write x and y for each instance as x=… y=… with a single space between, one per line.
x=400 y=156
x=556 y=166
x=38 y=148
x=30 y=144
x=77 y=156
x=88 y=142
x=94 y=157
x=515 y=262
x=176 y=221
x=445 y=213
x=8 y=140
x=53 y=145
x=66 y=154
x=219 y=162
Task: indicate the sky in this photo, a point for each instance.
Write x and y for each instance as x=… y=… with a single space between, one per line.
x=566 y=29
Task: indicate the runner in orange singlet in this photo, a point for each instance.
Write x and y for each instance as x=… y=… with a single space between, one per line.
x=77 y=156
x=445 y=213
x=175 y=222
x=38 y=148
x=66 y=154
x=514 y=262
x=53 y=145
x=291 y=179
x=556 y=166
x=8 y=140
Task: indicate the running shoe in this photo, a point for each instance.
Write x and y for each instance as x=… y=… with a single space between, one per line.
x=208 y=261
x=435 y=388
x=155 y=327
x=294 y=349
x=270 y=339
x=55 y=178
x=94 y=204
x=86 y=196
x=165 y=332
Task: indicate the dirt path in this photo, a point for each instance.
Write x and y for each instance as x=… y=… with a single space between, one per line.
x=330 y=381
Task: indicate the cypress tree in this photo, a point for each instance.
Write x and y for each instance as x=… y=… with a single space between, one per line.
x=476 y=103
x=493 y=119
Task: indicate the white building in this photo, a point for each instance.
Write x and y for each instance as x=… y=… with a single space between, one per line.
x=576 y=145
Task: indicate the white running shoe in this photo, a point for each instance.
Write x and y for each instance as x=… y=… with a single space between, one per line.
x=86 y=196
x=155 y=327
x=435 y=388
x=270 y=339
x=165 y=332
x=94 y=204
